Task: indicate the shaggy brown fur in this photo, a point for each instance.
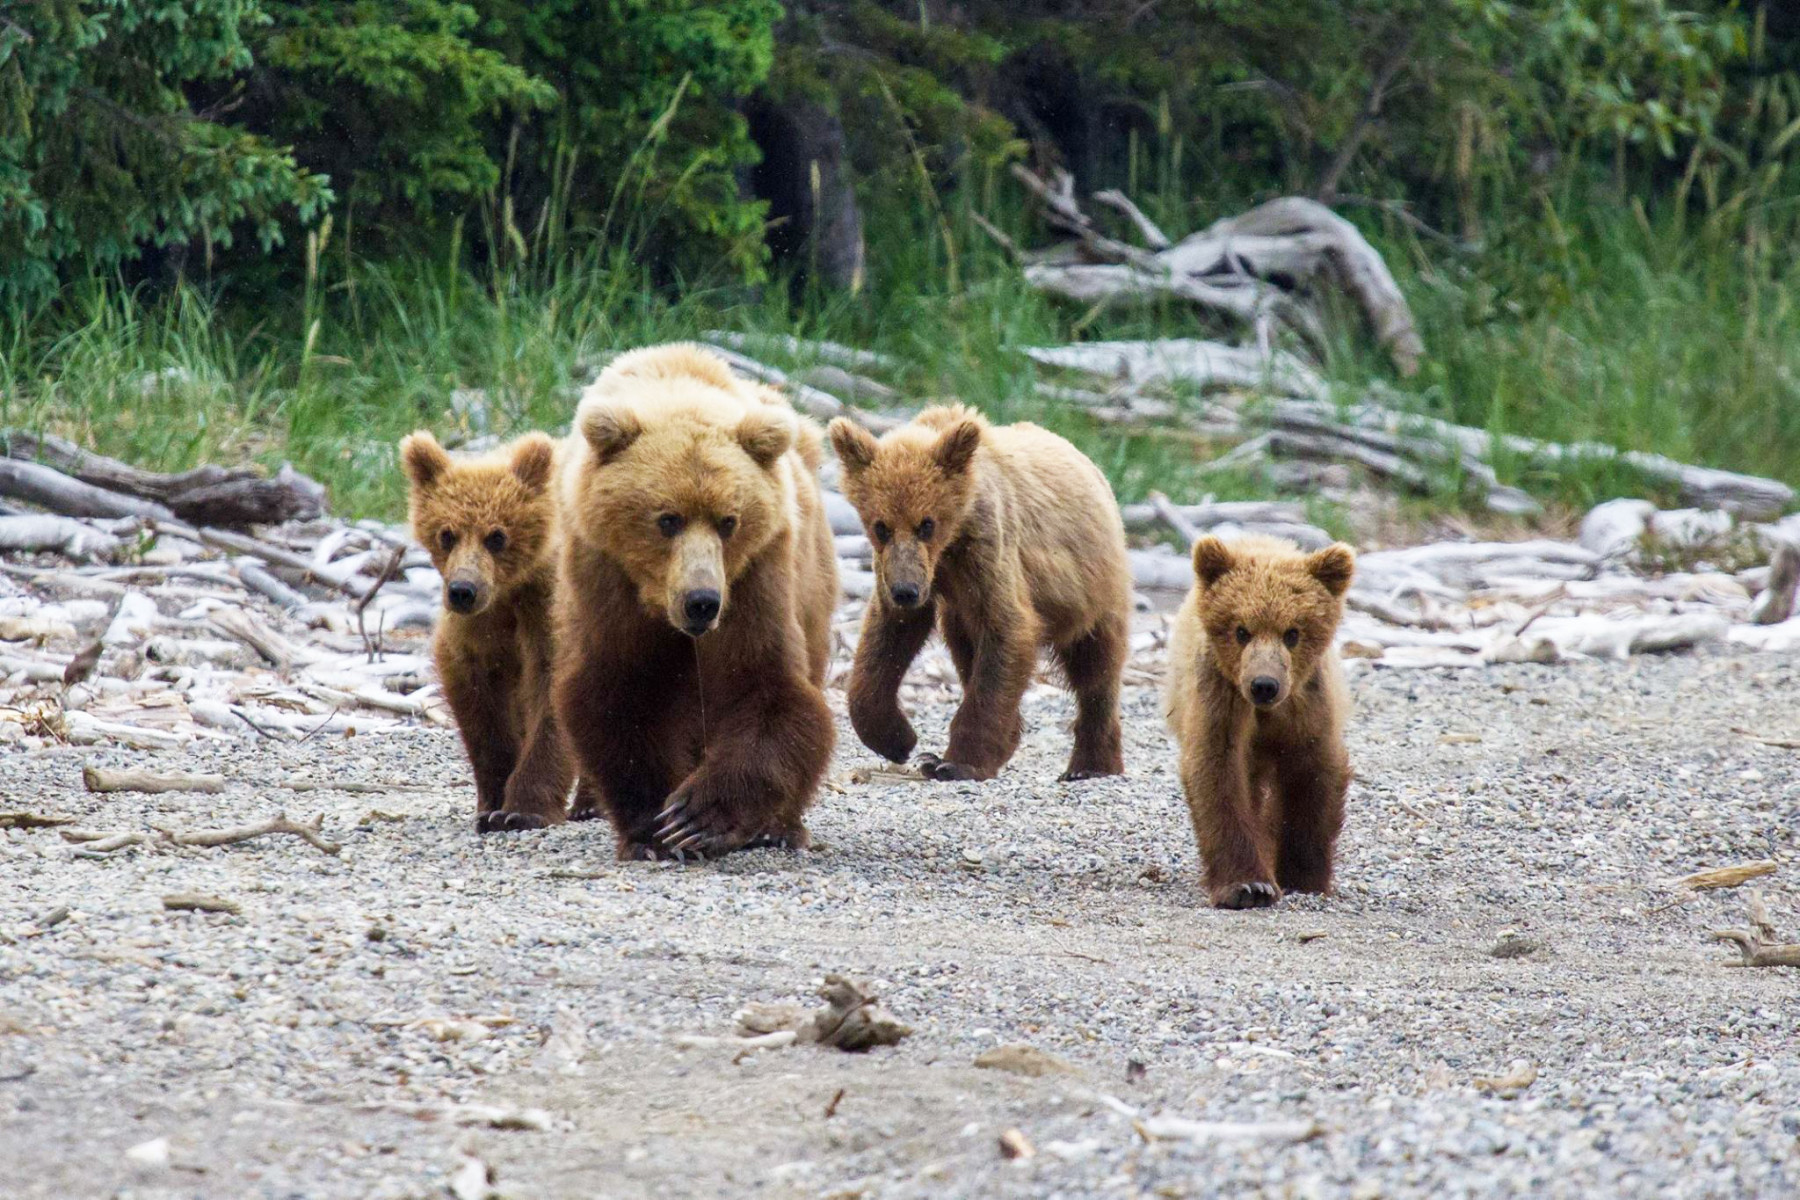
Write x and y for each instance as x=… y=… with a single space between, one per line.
x=1257 y=702
x=489 y=524
x=697 y=583
x=1009 y=538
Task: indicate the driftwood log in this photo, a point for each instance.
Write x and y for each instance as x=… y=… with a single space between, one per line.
x=1258 y=269
x=206 y=495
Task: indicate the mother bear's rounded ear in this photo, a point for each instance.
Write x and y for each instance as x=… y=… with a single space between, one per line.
x=608 y=430
x=423 y=458
x=766 y=435
x=854 y=446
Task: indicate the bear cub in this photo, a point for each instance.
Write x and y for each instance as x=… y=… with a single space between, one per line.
x=489 y=524
x=1007 y=539
x=1257 y=703
x=696 y=589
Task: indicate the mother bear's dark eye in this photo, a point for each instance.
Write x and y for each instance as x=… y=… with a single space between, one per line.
x=495 y=541
x=883 y=534
x=1243 y=636
x=727 y=526
x=447 y=539
x=927 y=527
x=670 y=524
x=1291 y=638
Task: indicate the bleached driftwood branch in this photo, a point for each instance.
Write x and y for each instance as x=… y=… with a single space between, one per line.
x=206 y=495
x=1230 y=268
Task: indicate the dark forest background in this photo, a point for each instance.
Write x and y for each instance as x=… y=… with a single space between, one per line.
x=291 y=229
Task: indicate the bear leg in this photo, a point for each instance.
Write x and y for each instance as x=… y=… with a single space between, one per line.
x=891 y=639
x=537 y=792
x=481 y=714
x=1092 y=665
x=762 y=764
x=987 y=726
x=1307 y=807
x=1235 y=848
x=608 y=721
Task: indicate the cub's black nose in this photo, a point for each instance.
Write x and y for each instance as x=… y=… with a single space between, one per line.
x=700 y=606
x=905 y=594
x=461 y=595
x=1264 y=689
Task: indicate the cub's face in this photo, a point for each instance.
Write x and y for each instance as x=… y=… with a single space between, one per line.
x=1269 y=616
x=913 y=490
x=684 y=506
x=486 y=522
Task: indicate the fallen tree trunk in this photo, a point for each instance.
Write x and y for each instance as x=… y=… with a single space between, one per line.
x=206 y=495
x=49 y=488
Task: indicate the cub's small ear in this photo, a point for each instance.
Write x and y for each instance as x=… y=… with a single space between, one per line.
x=1212 y=559
x=608 y=430
x=532 y=458
x=854 y=446
x=423 y=458
x=766 y=435
x=1332 y=567
x=956 y=446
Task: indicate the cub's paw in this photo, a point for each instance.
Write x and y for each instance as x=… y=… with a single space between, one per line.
x=502 y=821
x=888 y=734
x=945 y=771
x=1256 y=894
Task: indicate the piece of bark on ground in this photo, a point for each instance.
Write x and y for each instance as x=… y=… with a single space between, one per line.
x=851 y=1018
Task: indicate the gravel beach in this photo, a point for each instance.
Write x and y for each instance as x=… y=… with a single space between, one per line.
x=1506 y=996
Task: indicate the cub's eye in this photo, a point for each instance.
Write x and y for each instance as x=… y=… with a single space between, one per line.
x=883 y=534
x=1243 y=636
x=670 y=524
x=927 y=527
x=727 y=526
x=1291 y=638
x=447 y=539
x=495 y=541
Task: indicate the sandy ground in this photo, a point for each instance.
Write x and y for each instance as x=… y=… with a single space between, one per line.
x=320 y=1043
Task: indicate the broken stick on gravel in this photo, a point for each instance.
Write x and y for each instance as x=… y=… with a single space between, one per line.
x=308 y=832
x=1759 y=944
x=133 y=779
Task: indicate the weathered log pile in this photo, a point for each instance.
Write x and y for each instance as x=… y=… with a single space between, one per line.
x=1263 y=276
x=127 y=617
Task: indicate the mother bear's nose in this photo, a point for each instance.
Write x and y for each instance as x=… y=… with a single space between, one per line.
x=1264 y=689
x=700 y=606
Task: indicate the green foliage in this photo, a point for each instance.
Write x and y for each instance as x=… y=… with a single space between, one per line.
x=391 y=98
x=100 y=152
x=645 y=141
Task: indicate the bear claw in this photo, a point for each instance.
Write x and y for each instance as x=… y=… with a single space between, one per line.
x=1255 y=894
x=501 y=821
x=944 y=770
x=1078 y=776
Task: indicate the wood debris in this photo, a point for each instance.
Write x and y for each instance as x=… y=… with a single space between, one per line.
x=1509 y=1084
x=851 y=1019
x=1758 y=944
x=1726 y=877
x=200 y=902
x=132 y=779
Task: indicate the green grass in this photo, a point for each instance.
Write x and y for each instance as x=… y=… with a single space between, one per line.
x=1628 y=330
